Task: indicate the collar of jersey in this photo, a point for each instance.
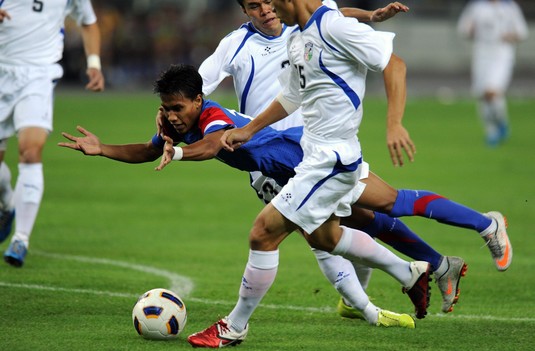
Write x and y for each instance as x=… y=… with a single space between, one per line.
x=316 y=16
x=251 y=28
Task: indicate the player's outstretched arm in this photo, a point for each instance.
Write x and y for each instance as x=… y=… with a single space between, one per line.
x=90 y=145
x=205 y=149
x=234 y=138
x=397 y=137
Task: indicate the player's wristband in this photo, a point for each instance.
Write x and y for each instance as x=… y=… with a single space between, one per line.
x=93 y=61
x=178 y=153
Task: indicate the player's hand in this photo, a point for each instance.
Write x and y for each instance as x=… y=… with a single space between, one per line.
x=89 y=144
x=160 y=119
x=388 y=11
x=398 y=140
x=234 y=138
x=4 y=15
x=96 y=80
x=168 y=153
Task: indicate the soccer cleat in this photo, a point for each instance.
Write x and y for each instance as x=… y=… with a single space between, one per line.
x=347 y=311
x=15 y=253
x=498 y=242
x=448 y=283
x=218 y=335
x=392 y=319
x=418 y=289
x=6 y=221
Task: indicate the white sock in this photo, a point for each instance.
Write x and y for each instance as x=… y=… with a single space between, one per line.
x=364 y=273
x=341 y=274
x=28 y=194
x=501 y=113
x=487 y=113
x=357 y=245
x=258 y=277
x=371 y=313
x=6 y=191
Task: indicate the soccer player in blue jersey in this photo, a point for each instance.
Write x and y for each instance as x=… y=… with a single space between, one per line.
x=284 y=151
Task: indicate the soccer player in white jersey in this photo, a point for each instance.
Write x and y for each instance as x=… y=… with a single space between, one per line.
x=329 y=57
x=31 y=44
x=252 y=55
x=495 y=27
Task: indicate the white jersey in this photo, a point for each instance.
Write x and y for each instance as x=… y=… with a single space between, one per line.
x=329 y=61
x=254 y=60
x=34 y=35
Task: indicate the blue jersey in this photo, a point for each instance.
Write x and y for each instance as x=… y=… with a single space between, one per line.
x=274 y=153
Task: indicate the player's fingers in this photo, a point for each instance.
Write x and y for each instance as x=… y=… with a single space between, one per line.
x=68 y=136
x=69 y=145
x=393 y=157
x=83 y=130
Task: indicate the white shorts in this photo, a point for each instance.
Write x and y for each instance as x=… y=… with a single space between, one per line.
x=267 y=188
x=492 y=71
x=26 y=97
x=326 y=183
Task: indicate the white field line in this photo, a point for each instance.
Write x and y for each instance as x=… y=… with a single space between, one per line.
x=184 y=286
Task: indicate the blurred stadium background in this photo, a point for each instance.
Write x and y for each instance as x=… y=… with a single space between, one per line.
x=142 y=37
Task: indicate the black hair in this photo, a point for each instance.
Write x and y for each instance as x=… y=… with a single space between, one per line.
x=183 y=79
x=240 y=2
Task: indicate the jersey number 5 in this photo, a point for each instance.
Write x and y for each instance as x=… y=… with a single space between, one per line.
x=37 y=6
x=302 y=80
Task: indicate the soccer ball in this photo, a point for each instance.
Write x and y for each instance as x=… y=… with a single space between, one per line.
x=159 y=314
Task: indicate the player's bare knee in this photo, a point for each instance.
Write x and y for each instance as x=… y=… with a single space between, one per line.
x=30 y=155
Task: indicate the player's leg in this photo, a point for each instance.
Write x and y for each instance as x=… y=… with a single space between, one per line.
x=341 y=274
x=28 y=191
x=269 y=230
x=380 y=196
x=414 y=276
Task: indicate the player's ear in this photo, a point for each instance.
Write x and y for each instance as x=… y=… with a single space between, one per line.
x=198 y=101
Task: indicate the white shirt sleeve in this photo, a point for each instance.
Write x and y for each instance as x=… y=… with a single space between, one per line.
x=216 y=67
x=289 y=97
x=360 y=42
x=82 y=12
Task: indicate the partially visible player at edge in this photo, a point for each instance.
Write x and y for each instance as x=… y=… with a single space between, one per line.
x=495 y=27
x=32 y=33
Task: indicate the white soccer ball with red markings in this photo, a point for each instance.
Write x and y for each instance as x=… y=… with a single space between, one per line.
x=159 y=314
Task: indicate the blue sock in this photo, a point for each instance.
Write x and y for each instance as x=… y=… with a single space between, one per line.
x=427 y=204
x=394 y=232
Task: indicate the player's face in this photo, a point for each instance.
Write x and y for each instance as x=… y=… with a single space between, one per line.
x=285 y=11
x=181 y=112
x=262 y=16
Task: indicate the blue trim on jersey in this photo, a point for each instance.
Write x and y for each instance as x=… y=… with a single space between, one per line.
x=1 y=2
x=245 y=92
x=251 y=30
x=317 y=15
x=339 y=167
x=351 y=94
x=247 y=36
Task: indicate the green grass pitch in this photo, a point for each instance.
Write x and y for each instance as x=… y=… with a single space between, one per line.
x=109 y=231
